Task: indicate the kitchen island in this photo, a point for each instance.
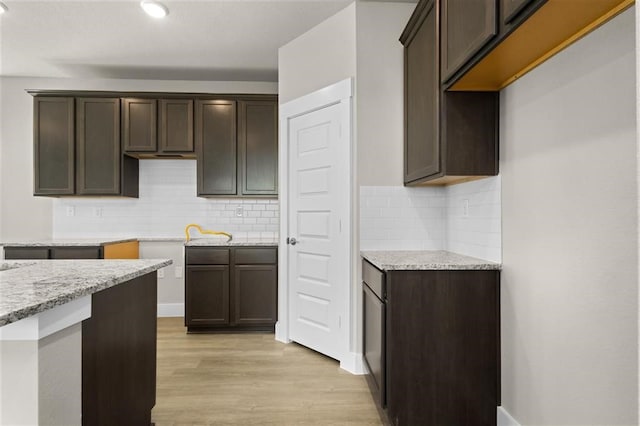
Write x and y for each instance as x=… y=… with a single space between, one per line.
x=78 y=341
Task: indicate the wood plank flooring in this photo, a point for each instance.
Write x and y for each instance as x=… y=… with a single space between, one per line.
x=251 y=379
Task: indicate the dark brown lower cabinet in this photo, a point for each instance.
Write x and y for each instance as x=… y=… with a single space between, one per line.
x=30 y=253
x=442 y=347
x=231 y=289
x=119 y=354
x=207 y=295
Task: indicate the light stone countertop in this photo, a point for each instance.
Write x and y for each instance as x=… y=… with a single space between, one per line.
x=240 y=241
x=425 y=260
x=67 y=242
x=28 y=287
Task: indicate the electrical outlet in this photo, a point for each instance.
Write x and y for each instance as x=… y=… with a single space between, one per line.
x=71 y=211
x=97 y=211
x=178 y=271
x=465 y=208
x=239 y=211
x=161 y=273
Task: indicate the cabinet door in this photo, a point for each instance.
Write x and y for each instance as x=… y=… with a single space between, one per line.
x=139 y=125
x=255 y=294
x=216 y=147
x=98 y=146
x=466 y=27
x=207 y=295
x=53 y=135
x=258 y=142
x=510 y=8
x=443 y=347
x=19 y=253
x=76 y=253
x=422 y=144
x=175 y=125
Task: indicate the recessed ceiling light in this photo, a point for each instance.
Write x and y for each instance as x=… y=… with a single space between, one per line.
x=3 y=8
x=154 y=8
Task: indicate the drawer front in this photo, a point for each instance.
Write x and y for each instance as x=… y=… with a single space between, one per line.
x=18 y=253
x=256 y=256
x=207 y=256
x=76 y=253
x=374 y=279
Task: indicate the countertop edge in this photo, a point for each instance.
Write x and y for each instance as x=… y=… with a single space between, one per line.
x=463 y=263
x=91 y=242
x=36 y=308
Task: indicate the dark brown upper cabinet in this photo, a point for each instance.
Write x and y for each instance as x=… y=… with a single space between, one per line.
x=216 y=147
x=237 y=147
x=54 y=146
x=449 y=137
x=466 y=27
x=139 y=124
x=422 y=150
x=511 y=8
x=528 y=33
x=175 y=125
x=77 y=148
x=258 y=147
x=156 y=128
x=98 y=146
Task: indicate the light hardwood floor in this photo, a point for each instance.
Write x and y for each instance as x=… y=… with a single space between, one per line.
x=251 y=379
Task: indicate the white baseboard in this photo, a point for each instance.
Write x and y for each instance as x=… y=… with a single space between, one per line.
x=505 y=419
x=170 y=309
x=353 y=363
x=281 y=335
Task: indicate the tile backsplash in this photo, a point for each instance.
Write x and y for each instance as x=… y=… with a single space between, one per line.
x=167 y=203
x=463 y=218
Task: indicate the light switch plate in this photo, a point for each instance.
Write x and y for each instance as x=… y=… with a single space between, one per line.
x=239 y=211
x=178 y=271
x=160 y=273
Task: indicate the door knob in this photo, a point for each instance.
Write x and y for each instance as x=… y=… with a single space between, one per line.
x=292 y=241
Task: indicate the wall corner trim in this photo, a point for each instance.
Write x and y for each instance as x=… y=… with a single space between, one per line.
x=505 y=419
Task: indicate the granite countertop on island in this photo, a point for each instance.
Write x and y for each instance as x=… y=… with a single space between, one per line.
x=424 y=260
x=239 y=241
x=28 y=287
x=67 y=242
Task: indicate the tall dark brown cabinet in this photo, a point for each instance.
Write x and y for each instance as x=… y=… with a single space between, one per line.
x=98 y=146
x=258 y=146
x=216 y=147
x=54 y=145
x=449 y=137
x=237 y=146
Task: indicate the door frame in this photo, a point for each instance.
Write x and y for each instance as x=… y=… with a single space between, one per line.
x=339 y=93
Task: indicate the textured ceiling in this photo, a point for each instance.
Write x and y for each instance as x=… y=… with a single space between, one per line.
x=199 y=40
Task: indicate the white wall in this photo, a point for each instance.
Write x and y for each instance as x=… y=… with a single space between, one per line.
x=21 y=214
x=570 y=246
x=167 y=203
x=380 y=91
x=318 y=58
x=433 y=218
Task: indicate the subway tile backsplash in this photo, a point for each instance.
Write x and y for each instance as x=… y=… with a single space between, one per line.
x=167 y=203
x=463 y=218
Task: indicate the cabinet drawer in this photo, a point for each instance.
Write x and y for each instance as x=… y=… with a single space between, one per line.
x=246 y=256
x=26 y=253
x=76 y=253
x=374 y=279
x=207 y=256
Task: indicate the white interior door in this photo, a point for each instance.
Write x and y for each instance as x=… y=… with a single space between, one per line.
x=318 y=215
